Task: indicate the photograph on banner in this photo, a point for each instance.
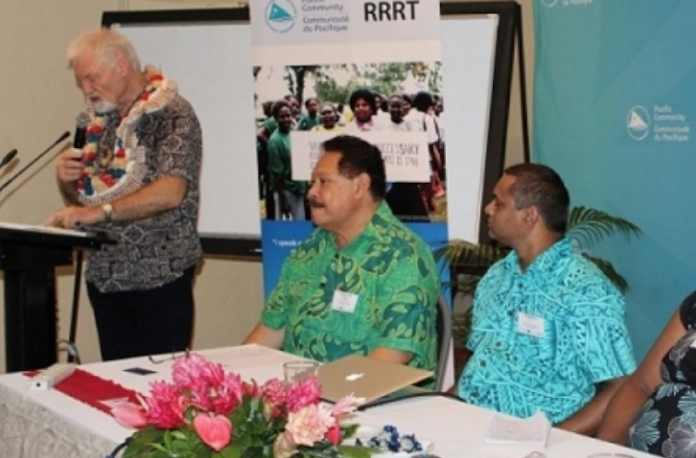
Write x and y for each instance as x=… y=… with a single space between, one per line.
x=397 y=106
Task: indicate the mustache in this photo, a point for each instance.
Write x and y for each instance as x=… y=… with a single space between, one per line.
x=313 y=203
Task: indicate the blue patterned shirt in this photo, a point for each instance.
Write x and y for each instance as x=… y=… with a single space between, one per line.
x=542 y=339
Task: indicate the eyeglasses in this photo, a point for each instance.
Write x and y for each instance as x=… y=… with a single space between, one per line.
x=172 y=357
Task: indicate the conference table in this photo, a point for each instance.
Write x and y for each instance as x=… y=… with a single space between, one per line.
x=49 y=423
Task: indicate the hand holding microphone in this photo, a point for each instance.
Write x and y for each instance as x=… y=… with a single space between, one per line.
x=69 y=168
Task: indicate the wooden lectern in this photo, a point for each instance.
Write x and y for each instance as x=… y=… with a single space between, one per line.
x=29 y=256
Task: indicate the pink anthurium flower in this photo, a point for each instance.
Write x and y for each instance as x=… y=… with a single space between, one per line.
x=214 y=431
x=334 y=433
x=130 y=415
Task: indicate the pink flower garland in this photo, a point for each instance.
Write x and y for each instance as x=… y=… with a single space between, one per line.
x=204 y=398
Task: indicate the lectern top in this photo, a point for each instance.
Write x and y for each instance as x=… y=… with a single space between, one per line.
x=28 y=234
x=48 y=230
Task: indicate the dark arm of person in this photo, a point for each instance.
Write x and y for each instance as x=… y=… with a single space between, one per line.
x=587 y=420
x=279 y=184
x=436 y=157
x=262 y=135
x=625 y=405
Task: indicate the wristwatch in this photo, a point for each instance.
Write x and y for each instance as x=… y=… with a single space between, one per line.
x=108 y=210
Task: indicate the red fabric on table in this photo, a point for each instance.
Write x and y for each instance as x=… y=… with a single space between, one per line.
x=91 y=389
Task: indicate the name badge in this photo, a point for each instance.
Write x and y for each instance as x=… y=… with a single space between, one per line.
x=344 y=302
x=530 y=325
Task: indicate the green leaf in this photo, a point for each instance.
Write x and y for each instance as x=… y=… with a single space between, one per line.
x=588 y=226
x=461 y=252
x=231 y=451
x=159 y=447
x=348 y=431
x=179 y=435
x=159 y=454
x=351 y=451
x=168 y=440
x=316 y=452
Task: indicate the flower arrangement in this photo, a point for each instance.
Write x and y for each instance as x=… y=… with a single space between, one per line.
x=207 y=412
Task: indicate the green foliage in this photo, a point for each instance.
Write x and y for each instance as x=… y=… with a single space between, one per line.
x=295 y=77
x=385 y=78
x=586 y=227
x=157 y=443
x=253 y=436
x=463 y=253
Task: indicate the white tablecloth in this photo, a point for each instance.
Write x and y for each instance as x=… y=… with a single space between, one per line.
x=37 y=424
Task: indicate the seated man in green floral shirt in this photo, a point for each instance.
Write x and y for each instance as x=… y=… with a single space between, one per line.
x=362 y=282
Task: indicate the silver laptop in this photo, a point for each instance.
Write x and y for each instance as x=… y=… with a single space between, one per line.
x=366 y=378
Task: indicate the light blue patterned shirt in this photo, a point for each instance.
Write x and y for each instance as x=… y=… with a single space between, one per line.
x=542 y=339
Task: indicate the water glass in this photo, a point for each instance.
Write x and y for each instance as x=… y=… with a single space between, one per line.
x=296 y=371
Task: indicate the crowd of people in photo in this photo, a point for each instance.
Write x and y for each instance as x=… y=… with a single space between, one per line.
x=366 y=111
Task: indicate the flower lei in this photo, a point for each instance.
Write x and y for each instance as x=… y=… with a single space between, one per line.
x=120 y=171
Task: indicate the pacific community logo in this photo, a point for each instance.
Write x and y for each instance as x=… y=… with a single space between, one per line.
x=638 y=123
x=280 y=15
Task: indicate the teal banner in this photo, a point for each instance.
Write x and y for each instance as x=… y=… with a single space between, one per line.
x=614 y=103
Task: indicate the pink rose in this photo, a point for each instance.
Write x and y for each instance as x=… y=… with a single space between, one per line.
x=130 y=415
x=215 y=432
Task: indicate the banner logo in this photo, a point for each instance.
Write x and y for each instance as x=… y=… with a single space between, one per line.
x=638 y=123
x=549 y=3
x=280 y=15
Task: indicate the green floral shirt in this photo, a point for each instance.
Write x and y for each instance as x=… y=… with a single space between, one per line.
x=392 y=272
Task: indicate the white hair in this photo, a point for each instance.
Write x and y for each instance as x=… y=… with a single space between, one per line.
x=108 y=45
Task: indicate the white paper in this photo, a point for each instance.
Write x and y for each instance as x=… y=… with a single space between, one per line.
x=503 y=429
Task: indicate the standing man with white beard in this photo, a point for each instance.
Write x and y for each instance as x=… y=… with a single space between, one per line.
x=137 y=179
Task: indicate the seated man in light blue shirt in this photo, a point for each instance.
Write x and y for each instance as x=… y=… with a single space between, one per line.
x=548 y=327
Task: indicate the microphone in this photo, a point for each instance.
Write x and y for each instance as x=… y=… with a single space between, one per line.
x=81 y=123
x=63 y=136
x=8 y=158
